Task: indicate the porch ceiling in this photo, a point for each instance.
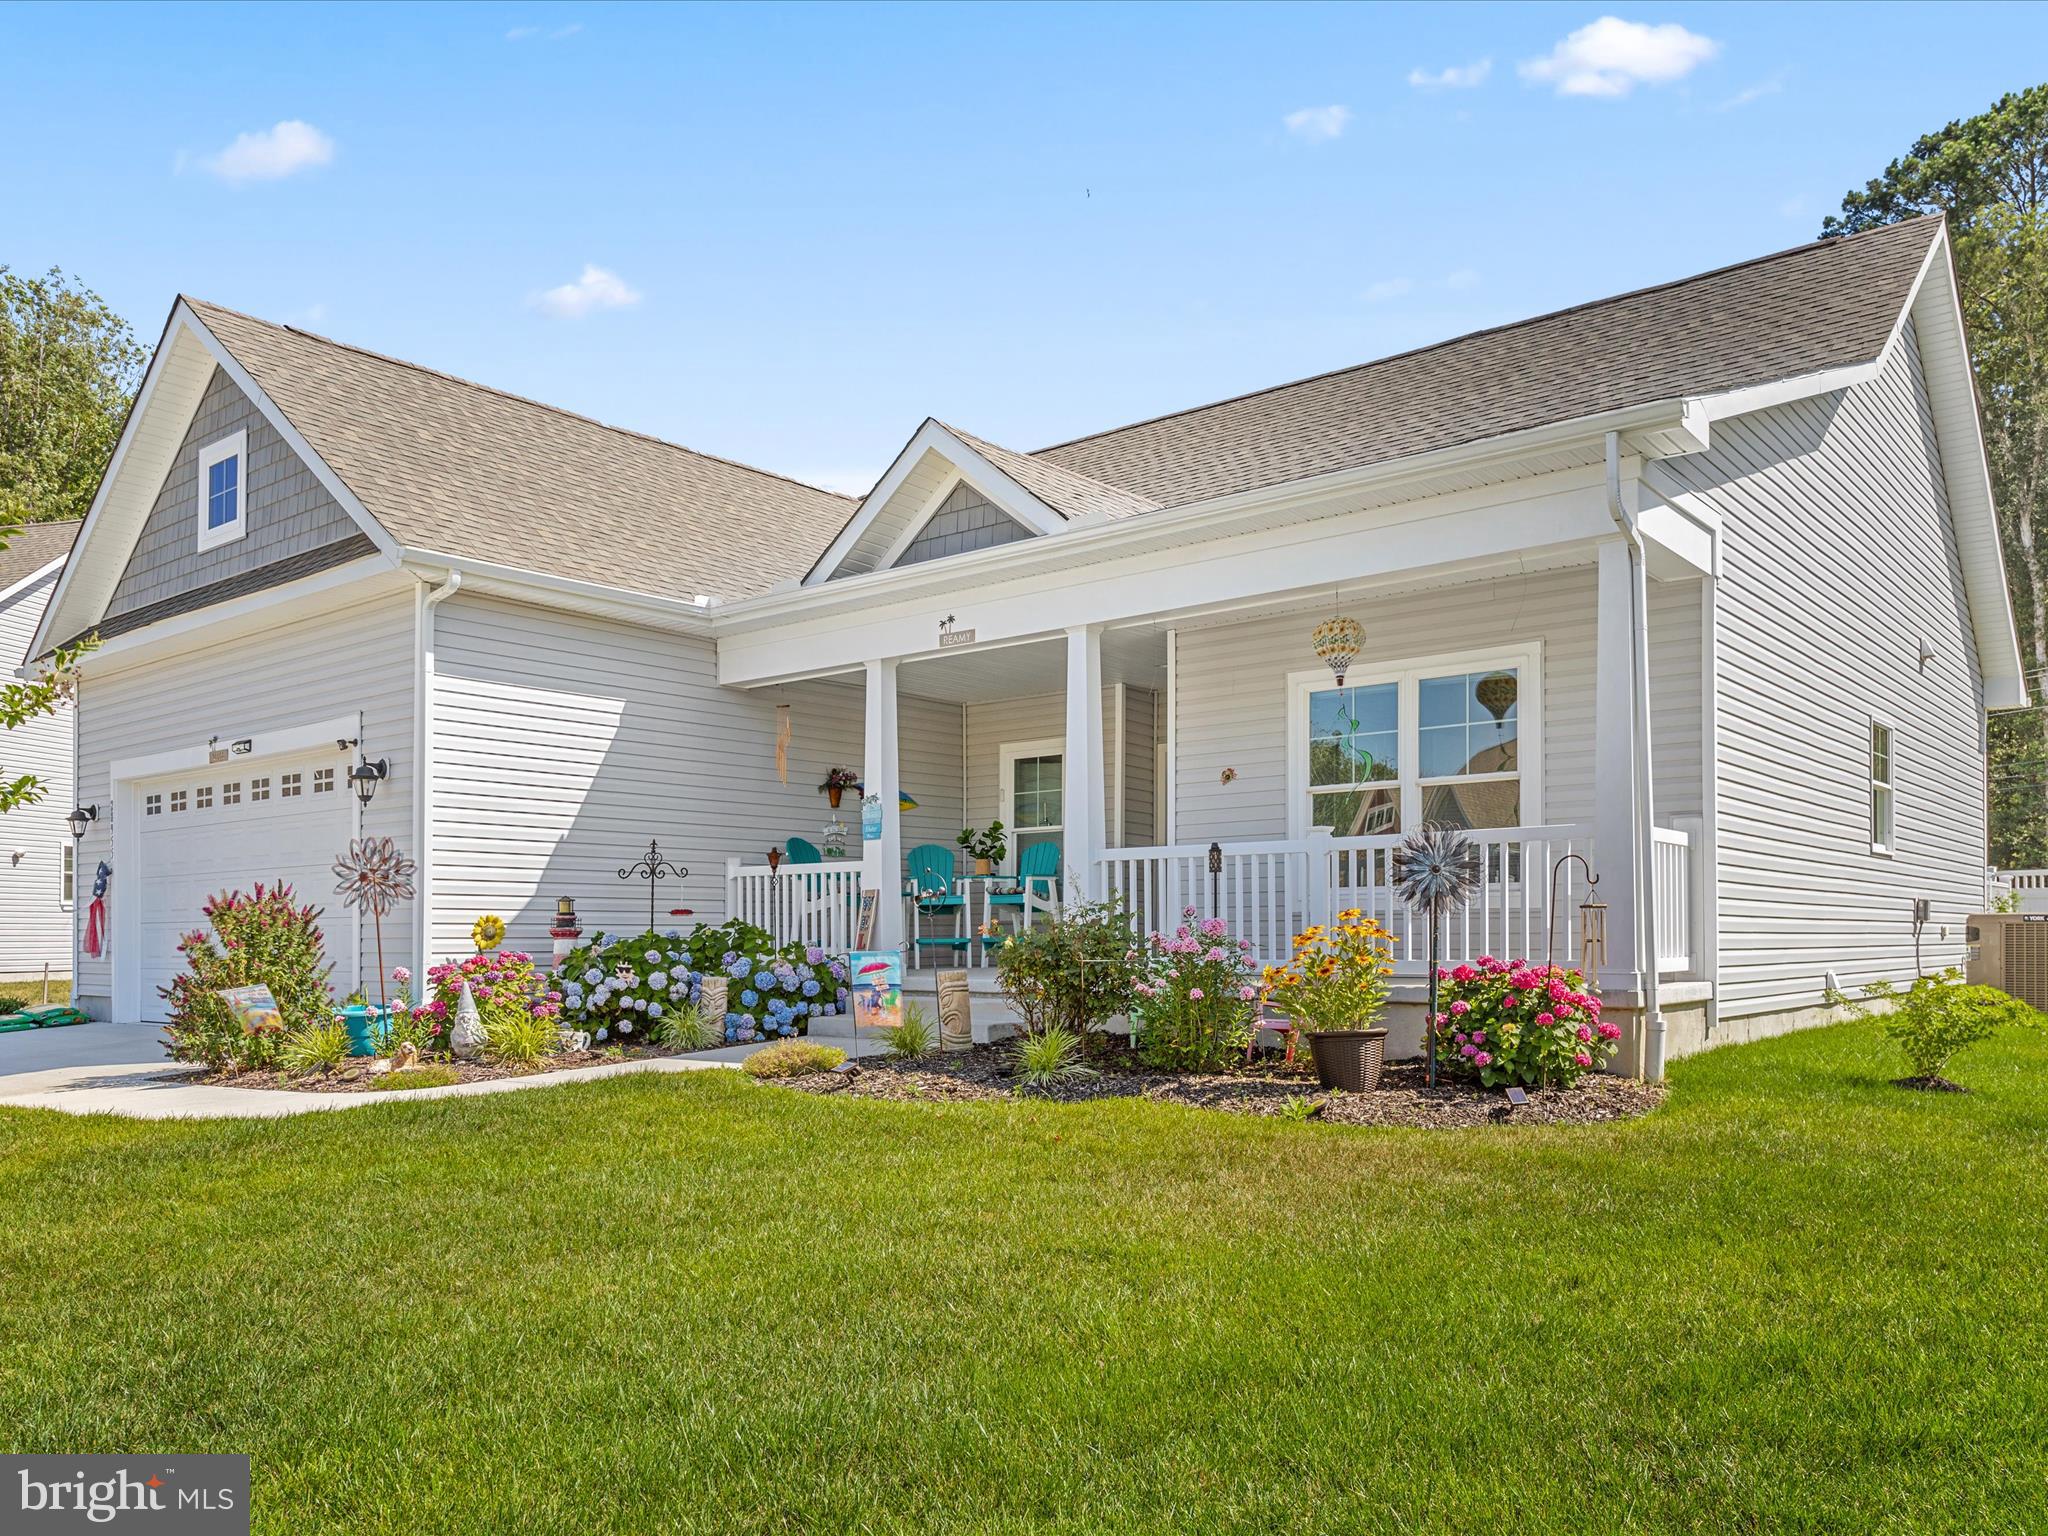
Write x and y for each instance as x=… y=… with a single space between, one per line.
x=1136 y=657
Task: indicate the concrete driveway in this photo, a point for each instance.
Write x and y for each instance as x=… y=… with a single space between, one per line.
x=121 y=1069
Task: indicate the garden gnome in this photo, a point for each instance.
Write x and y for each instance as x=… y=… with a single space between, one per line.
x=467 y=1042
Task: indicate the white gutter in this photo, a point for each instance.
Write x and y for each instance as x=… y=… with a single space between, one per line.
x=430 y=597
x=1643 y=820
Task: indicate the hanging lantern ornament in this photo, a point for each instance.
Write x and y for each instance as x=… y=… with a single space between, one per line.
x=1338 y=641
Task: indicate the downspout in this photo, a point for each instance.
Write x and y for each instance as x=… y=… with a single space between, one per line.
x=431 y=597
x=1643 y=821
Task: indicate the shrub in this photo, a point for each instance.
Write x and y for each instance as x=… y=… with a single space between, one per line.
x=1507 y=1022
x=266 y=939
x=685 y=1027
x=1337 y=976
x=436 y=1074
x=913 y=1037
x=515 y=1038
x=1048 y=1057
x=1196 y=1000
x=613 y=987
x=1076 y=969
x=14 y=1004
x=314 y=1048
x=1938 y=1015
x=506 y=988
x=793 y=1058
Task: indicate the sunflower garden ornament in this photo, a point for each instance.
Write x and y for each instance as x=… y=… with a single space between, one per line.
x=487 y=932
x=373 y=877
x=1436 y=870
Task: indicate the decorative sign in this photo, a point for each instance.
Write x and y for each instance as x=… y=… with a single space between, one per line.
x=949 y=636
x=877 y=988
x=864 y=928
x=216 y=754
x=870 y=817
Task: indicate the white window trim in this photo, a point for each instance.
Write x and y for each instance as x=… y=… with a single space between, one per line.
x=67 y=852
x=1407 y=673
x=234 y=446
x=1881 y=847
x=1006 y=769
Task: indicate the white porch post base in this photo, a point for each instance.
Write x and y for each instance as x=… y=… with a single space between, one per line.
x=1614 y=853
x=1081 y=784
x=881 y=858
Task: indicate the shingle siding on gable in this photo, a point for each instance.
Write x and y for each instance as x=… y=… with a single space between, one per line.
x=289 y=511
x=968 y=520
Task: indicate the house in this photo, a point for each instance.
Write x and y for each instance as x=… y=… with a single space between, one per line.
x=38 y=878
x=1699 y=583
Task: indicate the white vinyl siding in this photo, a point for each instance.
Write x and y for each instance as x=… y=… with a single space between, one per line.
x=35 y=925
x=563 y=744
x=299 y=671
x=1838 y=560
x=1043 y=716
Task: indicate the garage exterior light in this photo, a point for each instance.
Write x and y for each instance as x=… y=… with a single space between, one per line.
x=366 y=776
x=82 y=818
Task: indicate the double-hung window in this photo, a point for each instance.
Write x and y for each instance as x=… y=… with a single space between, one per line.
x=223 y=489
x=1452 y=740
x=1882 y=793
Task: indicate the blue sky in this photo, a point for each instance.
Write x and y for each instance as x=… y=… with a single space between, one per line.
x=788 y=234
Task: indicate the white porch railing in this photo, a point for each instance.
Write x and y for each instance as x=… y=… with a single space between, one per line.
x=798 y=903
x=1267 y=892
x=1671 y=869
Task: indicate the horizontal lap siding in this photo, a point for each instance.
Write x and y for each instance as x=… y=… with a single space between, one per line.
x=1040 y=717
x=563 y=744
x=300 y=672
x=1838 y=559
x=1231 y=688
x=1677 y=696
x=35 y=926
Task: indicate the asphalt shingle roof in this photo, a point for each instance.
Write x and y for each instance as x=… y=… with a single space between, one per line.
x=1826 y=304
x=461 y=469
x=1064 y=490
x=33 y=546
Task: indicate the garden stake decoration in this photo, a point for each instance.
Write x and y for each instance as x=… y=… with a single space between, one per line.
x=373 y=877
x=1592 y=923
x=1435 y=871
x=653 y=869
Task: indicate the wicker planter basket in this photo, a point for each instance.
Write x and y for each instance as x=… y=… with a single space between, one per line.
x=1348 y=1058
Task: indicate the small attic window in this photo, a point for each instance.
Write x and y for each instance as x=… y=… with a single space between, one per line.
x=223 y=484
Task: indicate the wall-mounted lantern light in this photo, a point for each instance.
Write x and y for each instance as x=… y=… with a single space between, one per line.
x=366 y=776
x=82 y=818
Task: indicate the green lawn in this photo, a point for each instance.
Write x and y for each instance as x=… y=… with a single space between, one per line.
x=1793 y=1299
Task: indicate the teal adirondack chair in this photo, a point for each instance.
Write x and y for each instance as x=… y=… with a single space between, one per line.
x=934 y=892
x=803 y=852
x=1038 y=883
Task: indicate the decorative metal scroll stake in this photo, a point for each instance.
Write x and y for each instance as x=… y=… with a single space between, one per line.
x=653 y=869
x=1592 y=923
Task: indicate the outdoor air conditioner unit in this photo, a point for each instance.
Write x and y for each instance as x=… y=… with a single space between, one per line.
x=2009 y=951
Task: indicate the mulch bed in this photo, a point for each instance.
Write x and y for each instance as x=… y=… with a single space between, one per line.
x=1929 y=1084
x=356 y=1077
x=1265 y=1087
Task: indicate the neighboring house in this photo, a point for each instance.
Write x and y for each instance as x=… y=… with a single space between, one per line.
x=37 y=878
x=566 y=640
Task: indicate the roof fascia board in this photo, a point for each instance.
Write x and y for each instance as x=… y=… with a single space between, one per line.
x=322 y=471
x=158 y=361
x=972 y=464
x=560 y=591
x=1761 y=397
x=2005 y=684
x=1090 y=543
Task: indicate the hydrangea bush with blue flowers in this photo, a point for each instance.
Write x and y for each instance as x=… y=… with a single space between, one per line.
x=617 y=987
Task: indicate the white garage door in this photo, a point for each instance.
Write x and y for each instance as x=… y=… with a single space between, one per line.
x=225 y=828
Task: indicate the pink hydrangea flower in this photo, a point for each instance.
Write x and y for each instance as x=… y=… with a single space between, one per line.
x=1610 y=1031
x=1585 y=1032
x=1461 y=1007
x=1483 y=1059
x=1546 y=1019
x=1582 y=1059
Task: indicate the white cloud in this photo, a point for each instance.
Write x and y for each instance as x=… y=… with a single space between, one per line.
x=1456 y=77
x=1757 y=92
x=1317 y=124
x=278 y=152
x=1387 y=288
x=595 y=289
x=1611 y=57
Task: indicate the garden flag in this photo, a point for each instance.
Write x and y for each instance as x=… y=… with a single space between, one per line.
x=96 y=914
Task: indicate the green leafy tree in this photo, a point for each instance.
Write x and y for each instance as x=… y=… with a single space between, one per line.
x=69 y=367
x=1989 y=175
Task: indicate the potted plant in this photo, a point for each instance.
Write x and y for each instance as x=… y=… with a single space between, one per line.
x=988 y=847
x=837 y=782
x=1334 y=988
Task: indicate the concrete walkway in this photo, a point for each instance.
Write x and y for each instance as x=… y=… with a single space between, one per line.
x=121 y=1069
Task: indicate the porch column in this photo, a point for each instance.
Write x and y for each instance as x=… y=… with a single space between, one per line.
x=881 y=858
x=1614 y=788
x=1081 y=784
